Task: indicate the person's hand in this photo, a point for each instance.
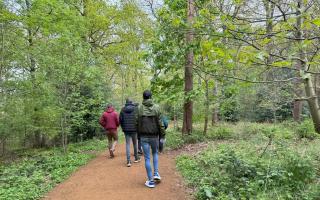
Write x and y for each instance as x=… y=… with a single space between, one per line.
x=163 y=140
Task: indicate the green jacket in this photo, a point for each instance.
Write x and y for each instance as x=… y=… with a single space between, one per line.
x=148 y=120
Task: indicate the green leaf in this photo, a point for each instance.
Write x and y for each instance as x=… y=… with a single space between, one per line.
x=283 y=63
x=316 y=21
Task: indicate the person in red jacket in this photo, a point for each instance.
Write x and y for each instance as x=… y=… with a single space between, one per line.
x=110 y=122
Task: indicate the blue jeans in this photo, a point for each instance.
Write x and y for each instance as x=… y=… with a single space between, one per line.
x=132 y=136
x=152 y=143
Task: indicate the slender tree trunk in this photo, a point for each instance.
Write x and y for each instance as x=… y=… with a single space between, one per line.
x=32 y=70
x=206 y=116
x=2 y=56
x=62 y=133
x=312 y=98
x=63 y=122
x=175 y=122
x=188 y=104
x=313 y=103
x=297 y=105
x=269 y=8
x=122 y=87
x=3 y=142
x=215 y=111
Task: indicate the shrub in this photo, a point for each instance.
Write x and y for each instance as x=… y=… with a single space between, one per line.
x=251 y=129
x=238 y=172
x=220 y=133
x=173 y=139
x=195 y=137
x=276 y=131
x=306 y=130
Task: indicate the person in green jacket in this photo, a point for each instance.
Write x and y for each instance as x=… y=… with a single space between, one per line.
x=150 y=128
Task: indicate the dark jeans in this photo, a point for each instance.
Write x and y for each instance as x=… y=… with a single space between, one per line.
x=133 y=137
x=139 y=144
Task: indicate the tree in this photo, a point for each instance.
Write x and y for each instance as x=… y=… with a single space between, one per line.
x=188 y=84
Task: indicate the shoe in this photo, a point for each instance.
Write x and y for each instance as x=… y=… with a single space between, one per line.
x=150 y=184
x=137 y=160
x=128 y=163
x=157 y=177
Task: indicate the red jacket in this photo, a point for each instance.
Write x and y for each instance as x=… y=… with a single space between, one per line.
x=109 y=119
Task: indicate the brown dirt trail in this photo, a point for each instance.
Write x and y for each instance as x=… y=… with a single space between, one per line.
x=111 y=179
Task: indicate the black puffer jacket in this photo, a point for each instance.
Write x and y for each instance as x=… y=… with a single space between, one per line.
x=127 y=118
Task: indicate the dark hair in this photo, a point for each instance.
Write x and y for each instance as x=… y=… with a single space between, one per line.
x=147 y=94
x=109 y=105
x=128 y=100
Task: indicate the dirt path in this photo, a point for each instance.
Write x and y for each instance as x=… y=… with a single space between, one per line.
x=111 y=179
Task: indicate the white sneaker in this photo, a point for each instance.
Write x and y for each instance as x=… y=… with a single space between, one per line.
x=157 y=177
x=150 y=184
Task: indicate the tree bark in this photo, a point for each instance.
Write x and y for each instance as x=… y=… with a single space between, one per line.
x=297 y=105
x=313 y=103
x=175 y=118
x=188 y=104
x=310 y=91
x=215 y=111
x=32 y=69
x=206 y=116
x=2 y=56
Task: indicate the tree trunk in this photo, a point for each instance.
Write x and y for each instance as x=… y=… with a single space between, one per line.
x=2 y=56
x=32 y=70
x=313 y=103
x=188 y=104
x=3 y=146
x=297 y=105
x=310 y=91
x=215 y=110
x=269 y=8
x=175 y=120
x=206 y=116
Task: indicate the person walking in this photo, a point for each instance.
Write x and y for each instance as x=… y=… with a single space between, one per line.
x=110 y=122
x=150 y=128
x=128 y=125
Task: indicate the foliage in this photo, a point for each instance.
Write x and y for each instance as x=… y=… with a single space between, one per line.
x=38 y=172
x=173 y=139
x=306 y=130
x=220 y=132
x=239 y=172
x=60 y=63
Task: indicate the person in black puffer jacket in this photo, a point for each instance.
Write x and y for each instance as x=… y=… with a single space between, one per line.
x=128 y=125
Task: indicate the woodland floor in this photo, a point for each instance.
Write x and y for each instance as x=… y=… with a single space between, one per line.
x=110 y=179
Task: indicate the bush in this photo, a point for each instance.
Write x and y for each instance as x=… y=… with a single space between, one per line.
x=173 y=139
x=306 y=130
x=238 y=172
x=251 y=128
x=193 y=138
x=220 y=133
x=276 y=131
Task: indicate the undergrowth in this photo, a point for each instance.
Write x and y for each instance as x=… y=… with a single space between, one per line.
x=240 y=171
x=37 y=173
x=260 y=161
